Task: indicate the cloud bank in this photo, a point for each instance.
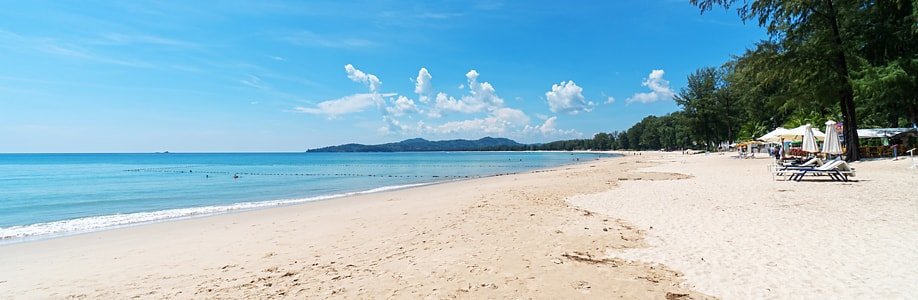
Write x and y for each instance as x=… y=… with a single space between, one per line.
x=477 y=111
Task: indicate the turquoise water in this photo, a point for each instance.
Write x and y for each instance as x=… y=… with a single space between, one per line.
x=59 y=194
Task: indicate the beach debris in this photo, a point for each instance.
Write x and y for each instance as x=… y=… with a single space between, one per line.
x=677 y=296
x=585 y=213
x=588 y=258
x=580 y=285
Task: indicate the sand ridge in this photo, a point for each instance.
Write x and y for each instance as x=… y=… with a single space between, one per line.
x=509 y=236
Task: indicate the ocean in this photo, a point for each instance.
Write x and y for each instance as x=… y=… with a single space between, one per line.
x=46 y=195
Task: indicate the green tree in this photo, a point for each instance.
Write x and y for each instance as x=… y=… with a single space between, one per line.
x=811 y=31
x=698 y=100
x=601 y=141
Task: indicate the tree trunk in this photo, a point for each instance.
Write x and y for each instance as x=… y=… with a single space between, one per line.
x=846 y=92
x=912 y=114
x=892 y=120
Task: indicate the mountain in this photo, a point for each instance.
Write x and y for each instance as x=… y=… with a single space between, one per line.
x=418 y=144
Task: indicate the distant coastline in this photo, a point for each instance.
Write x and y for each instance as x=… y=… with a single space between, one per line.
x=422 y=145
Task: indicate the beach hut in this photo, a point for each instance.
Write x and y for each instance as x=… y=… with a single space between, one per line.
x=881 y=132
x=884 y=142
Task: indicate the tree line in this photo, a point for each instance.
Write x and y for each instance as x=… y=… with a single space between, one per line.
x=854 y=61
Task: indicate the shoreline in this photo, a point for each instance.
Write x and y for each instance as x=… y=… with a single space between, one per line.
x=489 y=237
x=26 y=233
x=654 y=225
x=208 y=211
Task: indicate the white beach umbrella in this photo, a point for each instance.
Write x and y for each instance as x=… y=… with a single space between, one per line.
x=796 y=134
x=773 y=136
x=809 y=140
x=831 y=145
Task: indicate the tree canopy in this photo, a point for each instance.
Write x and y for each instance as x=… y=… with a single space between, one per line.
x=850 y=60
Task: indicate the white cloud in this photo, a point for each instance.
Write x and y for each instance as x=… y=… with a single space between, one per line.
x=491 y=116
x=422 y=85
x=567 y=97
x=345 y=105
x=500 y=121
x=482 y=97
x=448 y=103
x=489 y=125
x=360 y=77
x=659 y=89
x=610 y=100
x=483 y=91
x=511 y=116
x=401 y=106
x=393 y=125
x=549 y=128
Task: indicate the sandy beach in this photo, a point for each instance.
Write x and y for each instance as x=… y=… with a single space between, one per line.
x=737 y=234
x=649 y=226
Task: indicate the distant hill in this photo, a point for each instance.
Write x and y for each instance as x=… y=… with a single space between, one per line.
x=412 y=145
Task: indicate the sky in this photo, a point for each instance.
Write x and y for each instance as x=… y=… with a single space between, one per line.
x=240 y=76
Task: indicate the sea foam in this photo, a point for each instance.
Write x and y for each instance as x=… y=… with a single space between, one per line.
x=97 y=223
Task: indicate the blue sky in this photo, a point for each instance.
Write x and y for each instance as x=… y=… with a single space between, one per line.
x=143 y=76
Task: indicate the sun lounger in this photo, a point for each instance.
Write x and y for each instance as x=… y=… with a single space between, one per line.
x=788 y=168
x=812 y=162
x=837 y=170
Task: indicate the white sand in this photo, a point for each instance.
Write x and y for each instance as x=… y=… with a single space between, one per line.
x=737 y=234
x=732 y=231
x=491 y=238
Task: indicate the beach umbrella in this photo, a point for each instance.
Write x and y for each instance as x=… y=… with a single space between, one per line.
x=831 y=145
x=796 y=134
x=773 y=136
x=809 y=140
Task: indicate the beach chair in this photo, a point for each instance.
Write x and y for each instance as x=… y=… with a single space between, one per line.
x=812 y=162
x=837 y=170
x=782 y=169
